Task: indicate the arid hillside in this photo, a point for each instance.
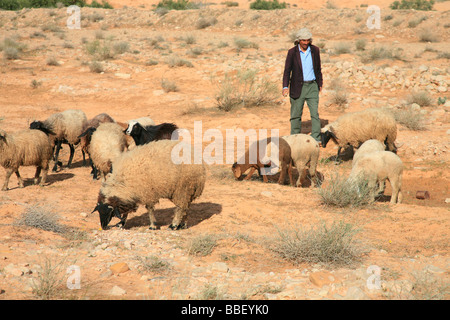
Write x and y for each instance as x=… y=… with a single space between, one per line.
x=188 y=66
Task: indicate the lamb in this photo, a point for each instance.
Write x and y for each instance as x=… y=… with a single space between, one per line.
x=378 y=166
x=143 y=176
x=63 y=127
x=25 y=148
x=366 y=148
x=107 y=142
x=145 y=134
x=357 y=127
x=285 y=161
x=305 y=156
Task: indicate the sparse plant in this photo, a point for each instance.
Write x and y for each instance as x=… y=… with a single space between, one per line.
x=35 y=84
x=178 y=62
x=121 y=47
x=342 y=193
x=96 y=67
x=379 y=53
x=210 y=292
x=169 y=86
x=411 y=119
x=202 y=245
x=427 y=35
x=333 y=245
x=361 y=44
x=153 y=264
x=203 y=22
x=52 y=61
x=41 y=217
x=50 y=281
x=246 y=89
x=176 y=5
x=242 y=43
x=342 y=48
x=422 y=98
x=11 y=53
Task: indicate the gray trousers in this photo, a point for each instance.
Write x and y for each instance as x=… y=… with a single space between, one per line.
x=310 y=94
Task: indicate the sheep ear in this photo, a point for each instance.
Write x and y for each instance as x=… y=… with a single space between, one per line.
x=89 y=131
x=331 y=131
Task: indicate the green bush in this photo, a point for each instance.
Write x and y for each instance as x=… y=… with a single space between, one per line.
x=413 y=4
x=267 y=5
x=20 y=4
x=176 y=5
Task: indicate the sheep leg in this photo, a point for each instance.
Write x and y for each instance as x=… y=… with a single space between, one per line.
x=58 y=147
x=84 y=157
x=282 y=177
x=44 y=176
x=178 y=221
x=151 y=216
x=291 y=179
x=396 y=193
x=7 y=176
x=337 y=160
x=36 y=175
x=19 y=178
x=72 y=152
x=301 y=177
x=249 y=175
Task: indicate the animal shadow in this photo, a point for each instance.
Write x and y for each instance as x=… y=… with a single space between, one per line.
x=196 y=214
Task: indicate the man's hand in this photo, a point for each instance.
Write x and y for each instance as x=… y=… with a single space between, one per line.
x=285 y=92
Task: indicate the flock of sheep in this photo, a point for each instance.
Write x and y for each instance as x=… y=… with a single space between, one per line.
x=132 y=156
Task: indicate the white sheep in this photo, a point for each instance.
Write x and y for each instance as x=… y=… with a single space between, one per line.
x=357 y=127
x=376 y=167
x=107 y=142
x=305 y=155
x=368 y=147
x=25 y=148
x=143 y=176
x=63 y=127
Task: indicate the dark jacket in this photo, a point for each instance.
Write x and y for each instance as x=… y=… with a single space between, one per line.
x=293 y=72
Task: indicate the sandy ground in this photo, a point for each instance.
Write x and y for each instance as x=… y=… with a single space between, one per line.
x=130 y=87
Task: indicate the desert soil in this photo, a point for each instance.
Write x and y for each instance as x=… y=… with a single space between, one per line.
x=408 y=242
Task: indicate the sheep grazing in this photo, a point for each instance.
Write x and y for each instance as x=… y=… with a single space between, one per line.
x=63 y=127
x=366 y=148
x=93 y=123
x=305 y=156
x=357 y=127
x=284 y=155
x=145 y=134
x=378 y=166
x=143 y=176
x=25 y=148
x=107 y=142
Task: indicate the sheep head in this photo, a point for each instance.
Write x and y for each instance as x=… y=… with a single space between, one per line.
x=236 y=168
x=326 y=134
x=39 y=125
x=106 y=213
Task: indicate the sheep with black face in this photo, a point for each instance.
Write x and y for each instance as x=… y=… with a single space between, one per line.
x=143 y=176
x=145 y=134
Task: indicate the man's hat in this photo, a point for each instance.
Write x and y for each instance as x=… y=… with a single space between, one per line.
x=302 y=34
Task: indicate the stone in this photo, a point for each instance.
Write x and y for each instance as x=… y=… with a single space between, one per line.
x=442 y=89
x=119 y=267
x=220 y=267
x=355 y=293
x=123 y=75
x=13 y=270
x=117 y=291
x=322 y=278
x=266 y=194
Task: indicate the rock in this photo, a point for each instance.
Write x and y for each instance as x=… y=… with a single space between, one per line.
x=13 y=270
x=447 y=200
x=119 y=267
x=434 y=269
x=123 y=75
x=117 y=291
x=415 y=107
x=266 y=194
x=442 y=89
x=322 y=278
x=355 y=293
x=423 y=68
x=219 y=267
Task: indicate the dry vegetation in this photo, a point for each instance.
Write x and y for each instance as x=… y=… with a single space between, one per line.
x=222 y=64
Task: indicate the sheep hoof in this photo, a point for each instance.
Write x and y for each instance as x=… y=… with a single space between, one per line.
x=153 y=228
x=177 y=227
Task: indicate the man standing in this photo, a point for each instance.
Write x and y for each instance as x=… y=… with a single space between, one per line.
x=302 y=77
